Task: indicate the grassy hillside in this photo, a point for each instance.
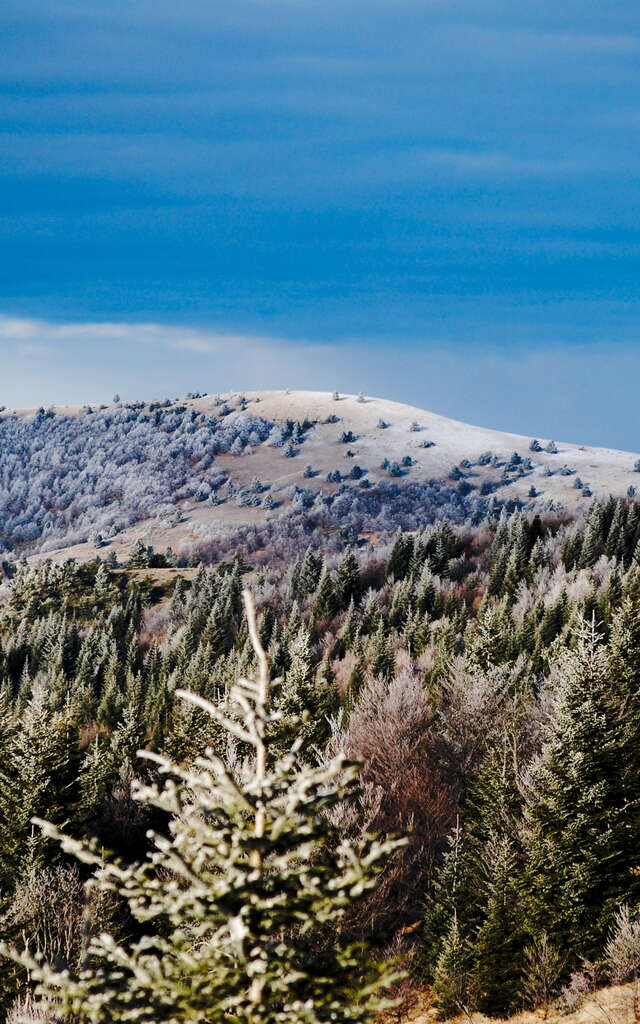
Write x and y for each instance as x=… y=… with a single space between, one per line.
x=181 y=474
x=617 y=1004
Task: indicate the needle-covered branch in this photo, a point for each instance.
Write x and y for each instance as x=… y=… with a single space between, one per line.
x=238 y=907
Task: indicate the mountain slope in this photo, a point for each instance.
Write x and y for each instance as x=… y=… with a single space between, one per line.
x=184 y=451
x=614 y=1005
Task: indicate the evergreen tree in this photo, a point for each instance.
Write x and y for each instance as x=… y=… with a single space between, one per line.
x=307 y=576
x=139 y=556
x=498 y=944
x=324 y=602
x=383 y=660
x=37 y=777
x=401 y=555
x=231 y=901
x=579 y=815
x=451 y=980
x=347 y=580
x=592 y=542
x=454 y=898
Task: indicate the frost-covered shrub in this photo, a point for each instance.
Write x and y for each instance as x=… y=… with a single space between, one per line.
x=385 y=507
x=623 y=948
x=65 y=478
x=488 y=487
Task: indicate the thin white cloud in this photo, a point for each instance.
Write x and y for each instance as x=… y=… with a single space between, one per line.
x=74 y=363
x=28 y=336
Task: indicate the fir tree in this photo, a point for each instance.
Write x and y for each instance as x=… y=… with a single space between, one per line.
x=499 y=941
x=139 y=557
x=38 y=777
x=450 y=985
x=228 y=905
x=324 y=601
x=347 y=580
x=454 y=898
x=579 y=815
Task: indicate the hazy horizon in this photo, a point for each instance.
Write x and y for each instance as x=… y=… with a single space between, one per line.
x=550 y=392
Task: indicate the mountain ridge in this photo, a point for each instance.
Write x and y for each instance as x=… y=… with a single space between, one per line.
x=264 y=451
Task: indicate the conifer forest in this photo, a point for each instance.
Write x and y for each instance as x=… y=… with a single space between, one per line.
x=414 y=763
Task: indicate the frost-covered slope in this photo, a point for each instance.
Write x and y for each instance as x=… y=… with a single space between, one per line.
x=168 y=471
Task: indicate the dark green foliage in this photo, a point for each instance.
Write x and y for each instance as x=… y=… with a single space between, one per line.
x=582 y=811
x=451 y=981
x=454 y=898
x=498 y=945
x=487 y=622
x=348 y=583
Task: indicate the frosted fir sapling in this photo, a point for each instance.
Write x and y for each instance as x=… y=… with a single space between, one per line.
x=233 y=901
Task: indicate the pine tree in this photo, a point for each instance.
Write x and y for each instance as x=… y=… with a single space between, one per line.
x=371 y=619
x=95 y=776
x=498 y=571
x=37 y=777
x=324 y=602
x=499 y=941
x=512 y=577
x=450 y=985
x=624 y=674
x=400 y=557
x=307 y=576
x=486 y=642
x=454 y=897
x=592 y=542
x=383 y=660
x=615 y=544
x=102 y=581
x=580 y=813
x=229 y=904
x=139 y=557
x=347 y=580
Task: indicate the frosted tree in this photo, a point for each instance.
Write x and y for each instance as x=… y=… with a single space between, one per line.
x=451 y=975
x=240 y=904
x=583 y=802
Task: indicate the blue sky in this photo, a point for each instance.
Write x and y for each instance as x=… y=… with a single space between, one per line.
x=437 y=201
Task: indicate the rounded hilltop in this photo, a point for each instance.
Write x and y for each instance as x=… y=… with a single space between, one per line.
x=437 y=444
x=272 y=450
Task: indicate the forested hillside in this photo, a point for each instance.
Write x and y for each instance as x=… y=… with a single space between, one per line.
x=485 y=672
x=65 y=478
x=195 y=475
